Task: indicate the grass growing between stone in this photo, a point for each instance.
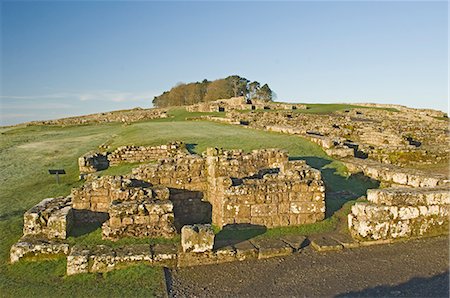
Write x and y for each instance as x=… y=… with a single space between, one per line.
x=26 y=154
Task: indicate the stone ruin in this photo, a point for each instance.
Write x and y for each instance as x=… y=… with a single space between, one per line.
x=400 y=213
x=122 y=116
x=223 y=187
x=260 y=188
x=96 y=161
x=241 y=103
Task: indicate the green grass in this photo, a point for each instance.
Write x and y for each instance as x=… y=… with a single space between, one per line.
x=26 y=154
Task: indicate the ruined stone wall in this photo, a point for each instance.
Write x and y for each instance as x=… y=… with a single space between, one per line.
x=92 y=162
x=393 y=174
x=294 y=196
x=151 y=217
x=241 y=103
x=184 y=172
x=399 y=213
x=51 y=218
x=191 y=177
x=133 y=154
x=92 y=200
x=124 y=116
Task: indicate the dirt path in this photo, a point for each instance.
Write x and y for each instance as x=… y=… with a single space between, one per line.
x=414 y=268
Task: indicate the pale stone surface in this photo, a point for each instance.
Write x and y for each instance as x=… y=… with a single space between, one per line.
x=400 y=213
x=197 y=238
x=52 y=218
x=30 y=247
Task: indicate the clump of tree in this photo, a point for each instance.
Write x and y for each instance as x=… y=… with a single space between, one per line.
x=232 y=86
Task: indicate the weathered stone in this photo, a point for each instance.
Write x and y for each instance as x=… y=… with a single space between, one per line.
x=51 y=218
x=297 y=242
x=165 y=254
x=197 y=238
x=245 y=250
x=324 y=243
x=32 y=247
x=345 y=240
x=268 y=248
x=78 y=260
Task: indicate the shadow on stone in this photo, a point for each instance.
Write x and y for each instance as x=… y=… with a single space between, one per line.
x=339 y=189
x=435 y=286
x=189 y=208
x=236 y=233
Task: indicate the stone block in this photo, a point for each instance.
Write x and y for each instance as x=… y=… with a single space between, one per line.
x=324 y=243
x=268 y=248
x=197 y=238
x=245 y=250
x=78 y=260
x=297 y=242
x=165 y=254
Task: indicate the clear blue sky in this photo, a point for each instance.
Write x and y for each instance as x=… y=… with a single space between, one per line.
x=72 y=58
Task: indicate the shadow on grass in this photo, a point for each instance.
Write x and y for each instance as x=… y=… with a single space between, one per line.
x=339 y=189
x=235 y=233
x=191 y=148
x=83 y=229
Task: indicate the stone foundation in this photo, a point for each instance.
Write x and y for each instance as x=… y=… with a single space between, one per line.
x=102 y=258
x=52 y=218
x=29 y=247
x=394 y=174
x=97 y=161
x=400 y=213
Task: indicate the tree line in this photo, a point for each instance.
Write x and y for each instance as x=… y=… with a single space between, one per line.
x=232 y=86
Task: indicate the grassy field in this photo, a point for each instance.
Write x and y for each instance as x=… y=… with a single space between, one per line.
x=26 y=153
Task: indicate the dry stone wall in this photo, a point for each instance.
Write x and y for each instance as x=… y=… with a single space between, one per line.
x=93 y=162
x=241 y=103
x=52 y=218
x=147 y=218
x=393 y=174
x=124 y=116
x=272 y=199
x=295 y=186
x=400 y=213
x=183 y=172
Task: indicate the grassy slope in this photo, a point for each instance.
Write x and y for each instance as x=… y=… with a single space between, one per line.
x=26 y=153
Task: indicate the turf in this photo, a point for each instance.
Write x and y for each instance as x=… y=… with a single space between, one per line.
x=26 y=154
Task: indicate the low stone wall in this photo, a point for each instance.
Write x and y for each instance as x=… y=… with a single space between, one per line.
x=29 y=247
x=394 y=174
x=52 y=218
x=102 y=258
x=93 y=162
x=148 y=218
x=134 y=154
x=400 y=213
x=124 y=116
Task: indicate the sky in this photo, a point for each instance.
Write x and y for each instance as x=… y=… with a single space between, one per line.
x=72 y=58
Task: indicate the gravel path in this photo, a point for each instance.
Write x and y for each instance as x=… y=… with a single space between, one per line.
x=413 y=268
